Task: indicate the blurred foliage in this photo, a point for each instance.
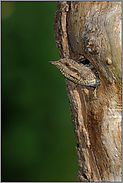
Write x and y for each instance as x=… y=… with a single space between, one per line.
x=38 y=140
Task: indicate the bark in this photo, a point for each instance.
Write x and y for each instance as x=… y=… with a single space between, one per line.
x=93 y=30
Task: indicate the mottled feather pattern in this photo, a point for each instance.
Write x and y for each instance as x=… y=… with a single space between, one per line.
x=77 y=72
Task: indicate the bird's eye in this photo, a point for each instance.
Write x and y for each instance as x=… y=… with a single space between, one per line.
x=67 y=64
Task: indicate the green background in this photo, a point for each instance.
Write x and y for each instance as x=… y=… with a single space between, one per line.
x=38 y=140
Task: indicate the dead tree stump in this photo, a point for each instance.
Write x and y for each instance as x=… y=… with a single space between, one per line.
x=93 y=30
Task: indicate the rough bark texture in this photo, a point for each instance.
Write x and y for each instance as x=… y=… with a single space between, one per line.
x=93 y=29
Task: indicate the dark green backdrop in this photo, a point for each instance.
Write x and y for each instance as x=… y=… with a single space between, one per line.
x=38 y=140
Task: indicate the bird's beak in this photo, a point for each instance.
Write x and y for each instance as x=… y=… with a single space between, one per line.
x=56 y=63
x=52 y=62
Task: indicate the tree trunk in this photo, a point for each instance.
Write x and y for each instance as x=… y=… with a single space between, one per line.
x=93 y=30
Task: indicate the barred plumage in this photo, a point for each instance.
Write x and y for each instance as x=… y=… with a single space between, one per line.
x=77 y=73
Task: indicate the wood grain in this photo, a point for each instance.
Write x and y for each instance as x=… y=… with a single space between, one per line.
x=93 y=30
